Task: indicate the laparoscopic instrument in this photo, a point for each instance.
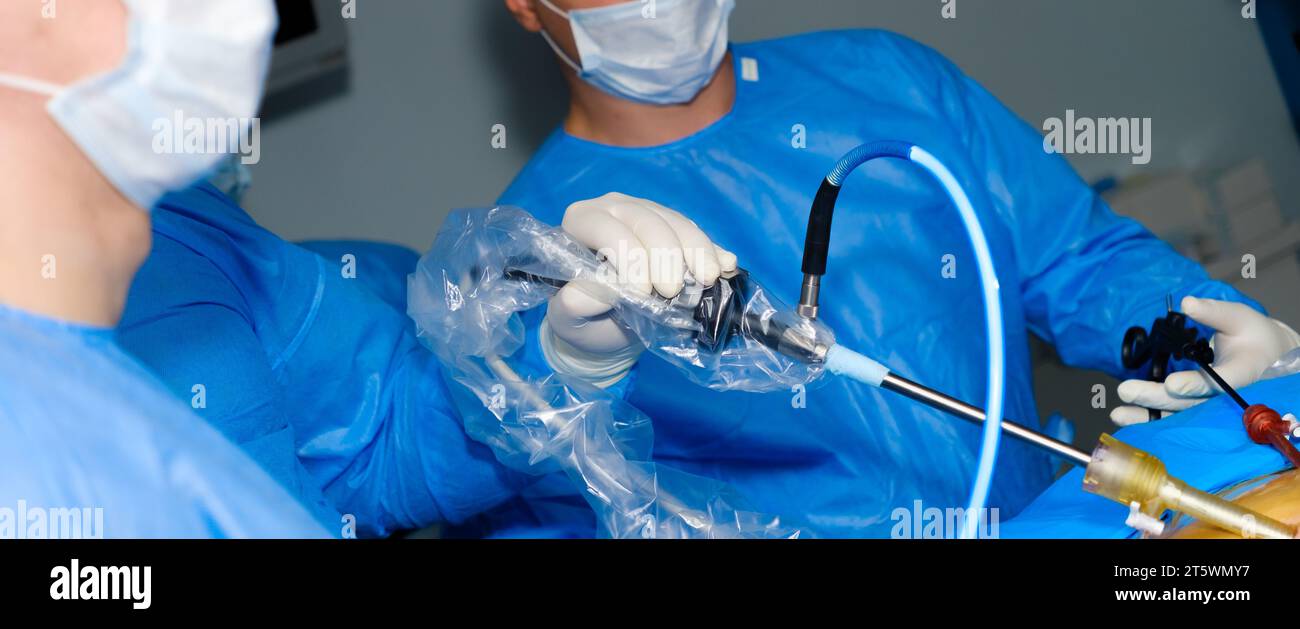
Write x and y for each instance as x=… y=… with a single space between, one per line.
x=1114 y=469
x=710 y=321
x=488 y=266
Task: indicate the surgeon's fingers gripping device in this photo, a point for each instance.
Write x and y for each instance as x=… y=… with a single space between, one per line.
x=1172 y=338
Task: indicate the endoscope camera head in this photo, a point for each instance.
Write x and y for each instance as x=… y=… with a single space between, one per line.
x=725 y=312
x=721 y=308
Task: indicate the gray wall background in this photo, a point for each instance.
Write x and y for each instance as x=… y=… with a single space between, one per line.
x=410 y=139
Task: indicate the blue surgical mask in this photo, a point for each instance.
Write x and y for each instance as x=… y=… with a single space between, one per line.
x=660 y=52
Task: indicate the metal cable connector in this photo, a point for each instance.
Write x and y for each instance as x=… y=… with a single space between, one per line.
x=809 y=295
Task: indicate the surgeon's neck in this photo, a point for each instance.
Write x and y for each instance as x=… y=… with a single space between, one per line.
x=605 y=119
x=70 y=244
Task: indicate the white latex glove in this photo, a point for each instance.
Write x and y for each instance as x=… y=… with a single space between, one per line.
x=1246 y=343
x=651 y=248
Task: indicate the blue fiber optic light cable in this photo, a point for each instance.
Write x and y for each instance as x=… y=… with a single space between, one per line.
x=846 y=362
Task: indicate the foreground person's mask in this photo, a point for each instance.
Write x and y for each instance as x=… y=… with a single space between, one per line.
x=663 y=60
x=201 y=61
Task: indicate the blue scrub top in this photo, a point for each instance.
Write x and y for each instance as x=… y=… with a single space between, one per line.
x=93 y=446
x=310 y=364
x=1071 y=271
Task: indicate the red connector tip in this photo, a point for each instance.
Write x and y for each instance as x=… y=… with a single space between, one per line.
x=1266 y=427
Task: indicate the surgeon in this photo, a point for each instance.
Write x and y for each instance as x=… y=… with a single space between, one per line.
x=302 y=354
x=84 y=428
x=311 y=365
x=737 y=137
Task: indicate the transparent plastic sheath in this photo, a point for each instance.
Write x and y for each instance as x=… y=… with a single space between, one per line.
x=488 y=266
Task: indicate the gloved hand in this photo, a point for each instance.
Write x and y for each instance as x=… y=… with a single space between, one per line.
x=1246 y=343
x=651 y=248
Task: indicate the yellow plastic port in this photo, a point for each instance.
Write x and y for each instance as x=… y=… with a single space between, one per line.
x=1130 y=476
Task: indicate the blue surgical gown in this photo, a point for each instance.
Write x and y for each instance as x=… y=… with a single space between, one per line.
x=310 y=364
x=1205 y=446
x=1071 y=272
x=83 y=426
